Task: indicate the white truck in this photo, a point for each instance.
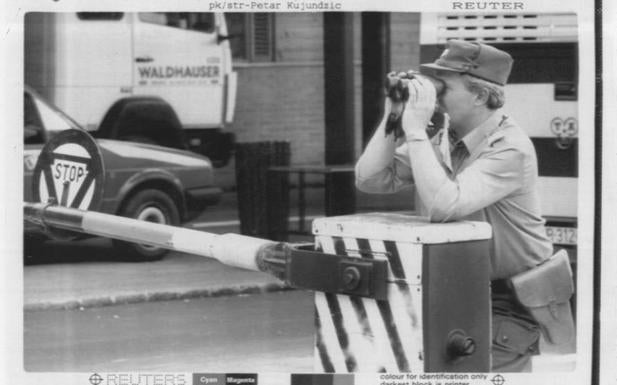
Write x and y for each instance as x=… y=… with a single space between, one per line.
x=158 y=77
x=541 y=95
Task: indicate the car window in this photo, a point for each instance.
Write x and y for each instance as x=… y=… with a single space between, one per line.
x=33 y=128
x=52 y=120
x=195 y=21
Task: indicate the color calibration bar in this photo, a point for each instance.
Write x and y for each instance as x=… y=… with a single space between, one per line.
x=252 y=379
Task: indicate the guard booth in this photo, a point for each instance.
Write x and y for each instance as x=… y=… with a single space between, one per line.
x=436 y=317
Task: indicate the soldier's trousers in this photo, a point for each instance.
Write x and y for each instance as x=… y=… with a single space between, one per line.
x=516 y=334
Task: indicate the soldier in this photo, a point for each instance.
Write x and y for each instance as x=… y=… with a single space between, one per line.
x=481 y=166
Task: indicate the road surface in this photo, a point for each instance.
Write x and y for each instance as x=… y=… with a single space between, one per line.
x=263 y=332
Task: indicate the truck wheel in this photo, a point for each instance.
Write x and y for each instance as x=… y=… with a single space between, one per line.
x=152 y=206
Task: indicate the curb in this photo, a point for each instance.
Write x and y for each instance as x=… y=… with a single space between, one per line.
x=124 y=299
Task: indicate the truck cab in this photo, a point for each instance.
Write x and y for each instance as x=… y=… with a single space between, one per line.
x=157 y=77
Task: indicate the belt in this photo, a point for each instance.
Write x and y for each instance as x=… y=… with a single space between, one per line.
x=504 y=301
x=501 y=286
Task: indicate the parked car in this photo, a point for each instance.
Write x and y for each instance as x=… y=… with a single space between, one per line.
x=143 y=181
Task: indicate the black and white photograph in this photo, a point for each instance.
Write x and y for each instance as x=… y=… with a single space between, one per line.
x=305 y=192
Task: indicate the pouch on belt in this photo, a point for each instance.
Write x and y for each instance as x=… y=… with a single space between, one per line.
x=545 y=291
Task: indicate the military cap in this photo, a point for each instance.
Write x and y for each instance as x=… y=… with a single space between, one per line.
x=476 y=59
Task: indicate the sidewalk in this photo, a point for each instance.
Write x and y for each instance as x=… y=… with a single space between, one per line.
x=56 y=286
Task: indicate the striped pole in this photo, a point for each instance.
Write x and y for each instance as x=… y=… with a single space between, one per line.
x=231 y=249
x=299 y=265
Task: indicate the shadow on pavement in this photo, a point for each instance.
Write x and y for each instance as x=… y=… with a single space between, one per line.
x=85 y=250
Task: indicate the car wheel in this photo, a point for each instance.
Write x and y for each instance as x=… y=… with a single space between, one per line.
x=152 y=206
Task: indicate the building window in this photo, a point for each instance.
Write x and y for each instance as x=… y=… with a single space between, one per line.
x=201 y=21
x=252 y=36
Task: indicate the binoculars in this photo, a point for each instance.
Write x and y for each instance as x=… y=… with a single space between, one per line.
x=398 y=93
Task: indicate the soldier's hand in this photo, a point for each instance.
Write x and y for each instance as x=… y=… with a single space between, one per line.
x=420 y=106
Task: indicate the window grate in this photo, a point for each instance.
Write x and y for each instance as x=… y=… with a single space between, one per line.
x=507 y=27
x=253 y=36
x=262 y=36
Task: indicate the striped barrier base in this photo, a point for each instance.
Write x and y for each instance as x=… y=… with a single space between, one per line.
x=436 y=317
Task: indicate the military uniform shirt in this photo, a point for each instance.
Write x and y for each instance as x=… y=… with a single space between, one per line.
x=492 y=176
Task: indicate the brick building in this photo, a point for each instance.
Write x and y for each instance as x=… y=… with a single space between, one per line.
x=280 y=63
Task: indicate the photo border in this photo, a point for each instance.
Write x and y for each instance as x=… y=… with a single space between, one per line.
x=590 y=151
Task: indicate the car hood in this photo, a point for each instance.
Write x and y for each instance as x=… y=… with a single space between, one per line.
x=150 y=154
x=125 y=156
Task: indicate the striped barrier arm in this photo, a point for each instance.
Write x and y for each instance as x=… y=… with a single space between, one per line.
x=299 y=266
